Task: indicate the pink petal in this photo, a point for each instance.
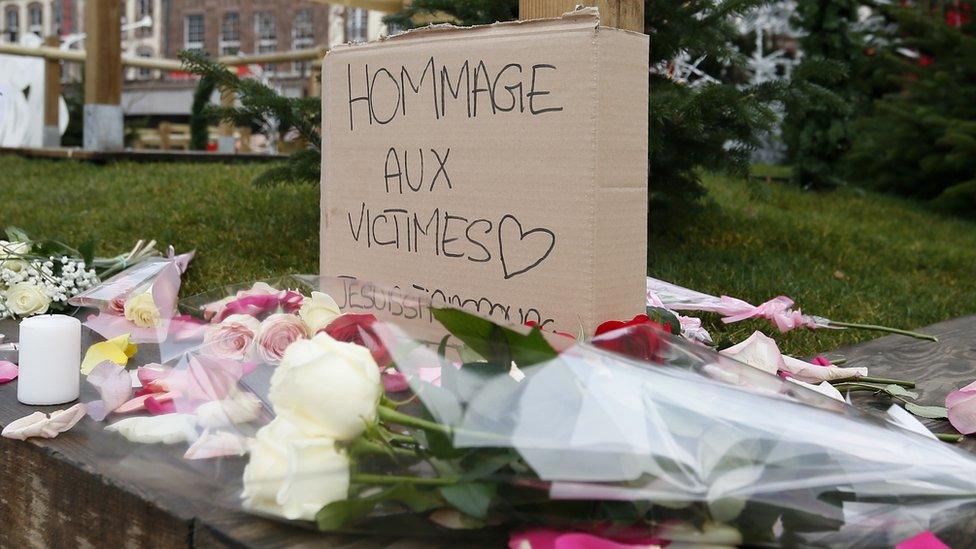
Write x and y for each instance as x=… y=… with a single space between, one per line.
x=961 y=406
x=114 y=385
x=533 y=539
x=553 y=539
x=395 y=382
x=8 y=371
x=821 y=360
x=925 y=540
x=431 y=375
x=39 y=424
x=138 y=403
x=157 y=408
x=109 y=326
x=214 y=445
x=758 y=351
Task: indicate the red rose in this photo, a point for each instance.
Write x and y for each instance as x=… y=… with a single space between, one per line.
x=639 y=338
x=358 y=328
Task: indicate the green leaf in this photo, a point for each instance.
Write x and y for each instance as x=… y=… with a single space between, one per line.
x=493 y=341
x=16 y=234
x=472 y=499
x=665 y=318
x=898 y=390
x=340 y=513
x=928 y=412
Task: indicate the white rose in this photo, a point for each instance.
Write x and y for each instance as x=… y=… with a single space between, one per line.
x=13 y=249
x=327 y=387
x=318 y=311
x=26 y=299
x=142 y=311
x=13 y=265
x=291 y=475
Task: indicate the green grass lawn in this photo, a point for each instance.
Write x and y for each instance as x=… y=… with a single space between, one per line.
x=847 y=255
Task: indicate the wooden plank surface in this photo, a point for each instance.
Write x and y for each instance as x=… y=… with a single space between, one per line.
x=91 y=488
x=103 y=43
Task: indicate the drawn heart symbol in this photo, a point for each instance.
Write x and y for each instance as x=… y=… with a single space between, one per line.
x=534 y=239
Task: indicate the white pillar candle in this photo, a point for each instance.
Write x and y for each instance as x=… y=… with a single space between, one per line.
x=50 y=360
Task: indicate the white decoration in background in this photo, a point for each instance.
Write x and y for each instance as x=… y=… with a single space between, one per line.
x=22 y=104
x=771 y=26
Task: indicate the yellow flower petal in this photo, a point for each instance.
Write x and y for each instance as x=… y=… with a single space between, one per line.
x=117 y=350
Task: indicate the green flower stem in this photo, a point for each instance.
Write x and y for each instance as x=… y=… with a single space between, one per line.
x=363 y=446
x=400 y=418
x=881 y=380
x=948 y=437
x=364 y=478
x=875 y=327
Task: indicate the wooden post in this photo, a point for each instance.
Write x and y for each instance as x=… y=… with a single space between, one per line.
x=51 y=135
x=622 y=14
x=226 y=142
x=103 y=124
x=165 y=133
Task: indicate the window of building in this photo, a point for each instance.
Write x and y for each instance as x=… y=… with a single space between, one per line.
x=266 y=33
x=12 y=20
x=144 y=9
x=56 y=9
x=35 y=18
x=357 y=25
x=230 y=33
x=144 y=73
x=302 y=37
x=193 y=32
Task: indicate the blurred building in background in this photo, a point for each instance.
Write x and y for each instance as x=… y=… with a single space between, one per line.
x=163 y=28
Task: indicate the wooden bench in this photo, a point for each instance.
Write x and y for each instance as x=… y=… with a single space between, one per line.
x=92 y=488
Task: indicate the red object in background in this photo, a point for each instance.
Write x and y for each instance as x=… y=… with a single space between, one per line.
x=211 y=146
x=639 y=338
x=958 y=14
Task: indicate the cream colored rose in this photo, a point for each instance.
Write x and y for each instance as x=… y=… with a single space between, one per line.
x=326 y=387
x=14 y=265
x=26 y=299
x=142 y=311
x=318 y=311
x=291 y=475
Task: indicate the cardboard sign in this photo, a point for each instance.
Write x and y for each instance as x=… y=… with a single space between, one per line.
x=500 y=168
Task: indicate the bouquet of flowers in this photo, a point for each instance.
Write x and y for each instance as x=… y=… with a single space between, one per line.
x=40 y=276
x=350 y=405
x=140 y=301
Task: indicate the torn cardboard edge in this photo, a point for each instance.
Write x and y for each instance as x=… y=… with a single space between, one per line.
x=585 y=18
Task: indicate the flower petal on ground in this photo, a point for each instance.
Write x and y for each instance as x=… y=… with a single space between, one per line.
x=41 y=425
x=216 y=444
x=758 y=351
x=167 y=429
x=118 y=350
x=961 y=406
x=8 y=371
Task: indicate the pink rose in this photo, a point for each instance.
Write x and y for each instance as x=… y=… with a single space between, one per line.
x=291 y=301
x=233 y=338
x=277 y=332
x=116 y=306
